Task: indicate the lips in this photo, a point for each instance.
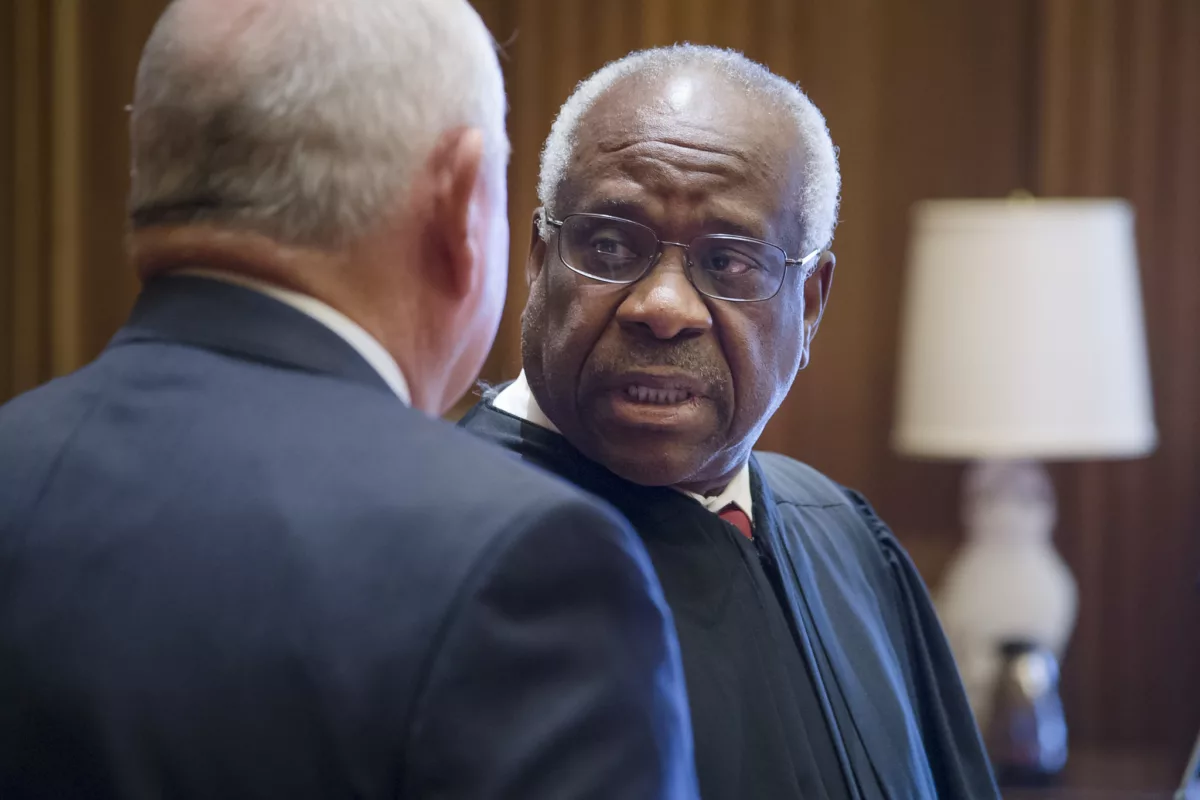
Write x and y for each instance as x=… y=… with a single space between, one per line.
x=641 y=393
x=659 y=402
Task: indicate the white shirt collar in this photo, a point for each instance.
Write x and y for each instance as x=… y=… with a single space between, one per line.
x=363 y=343
x=517 y=399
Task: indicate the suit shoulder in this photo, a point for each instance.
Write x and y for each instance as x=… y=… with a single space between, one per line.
x=35 y=427
x=441 y=472
x=472 y=462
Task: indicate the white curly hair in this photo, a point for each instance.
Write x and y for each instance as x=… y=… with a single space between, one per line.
x=819 y=191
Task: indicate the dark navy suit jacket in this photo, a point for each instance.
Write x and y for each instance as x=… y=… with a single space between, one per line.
x=234 y=565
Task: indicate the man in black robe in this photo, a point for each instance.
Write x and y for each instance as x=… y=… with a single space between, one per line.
x=679 y=267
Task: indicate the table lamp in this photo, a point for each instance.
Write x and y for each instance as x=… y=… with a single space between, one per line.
x=1022 y=341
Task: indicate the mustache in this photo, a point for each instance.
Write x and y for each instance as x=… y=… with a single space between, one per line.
x=691 y=358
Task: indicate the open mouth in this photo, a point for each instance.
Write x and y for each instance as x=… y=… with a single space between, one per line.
x=655 y=396
x=674 y=404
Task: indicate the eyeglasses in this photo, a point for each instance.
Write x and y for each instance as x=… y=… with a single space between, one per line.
x=724 y=267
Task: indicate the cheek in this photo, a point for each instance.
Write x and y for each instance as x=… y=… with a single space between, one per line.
x=578 y=315
x=764 y=354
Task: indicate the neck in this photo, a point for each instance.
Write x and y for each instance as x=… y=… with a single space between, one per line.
x=720 y=472
x=707 y=488
x=392 y=317
x=164 y=250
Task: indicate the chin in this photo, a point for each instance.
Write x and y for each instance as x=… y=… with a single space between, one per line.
x=648 y=464
x=647 y=444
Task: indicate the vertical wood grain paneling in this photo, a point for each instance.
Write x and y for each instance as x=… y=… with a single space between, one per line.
x=116 y=31
x=656 y=23
x=1138 y=80
x=68 y=75
x=610 y=26
x=1120 y=88
x=66 y=143
x=1180 y=469
x=697 y=19
x=28 y=336
x=8 y=112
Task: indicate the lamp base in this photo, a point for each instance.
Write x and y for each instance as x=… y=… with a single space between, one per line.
x=1006 y=582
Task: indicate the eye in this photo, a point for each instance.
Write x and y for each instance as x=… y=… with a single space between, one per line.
x=730 y=263
x=612 y=243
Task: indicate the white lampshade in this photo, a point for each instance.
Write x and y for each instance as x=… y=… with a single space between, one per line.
x=1022 y=332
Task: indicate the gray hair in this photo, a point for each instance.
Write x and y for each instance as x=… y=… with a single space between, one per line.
x=818 y=199
x=304 y=120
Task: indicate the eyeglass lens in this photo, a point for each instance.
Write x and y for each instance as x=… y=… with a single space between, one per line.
x=621 y=251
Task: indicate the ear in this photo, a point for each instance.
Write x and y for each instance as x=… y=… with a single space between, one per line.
x=537 y=249
x=454 y=173
x=816 y=296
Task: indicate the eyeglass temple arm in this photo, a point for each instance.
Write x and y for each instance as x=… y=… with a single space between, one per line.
x=803 y=259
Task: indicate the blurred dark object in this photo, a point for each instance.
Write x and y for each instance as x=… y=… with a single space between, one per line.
x=1189 y=787
x=1027 y=733
x=1109 y=774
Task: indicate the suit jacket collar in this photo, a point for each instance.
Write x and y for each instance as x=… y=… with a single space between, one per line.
x=243 y=323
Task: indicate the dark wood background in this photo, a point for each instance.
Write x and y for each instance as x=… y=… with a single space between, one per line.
x=926 y=98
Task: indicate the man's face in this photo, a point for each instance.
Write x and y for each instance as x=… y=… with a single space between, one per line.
x=661 y=384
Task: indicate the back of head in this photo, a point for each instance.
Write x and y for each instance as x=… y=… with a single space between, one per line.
x=303 y=119
x=352 y=150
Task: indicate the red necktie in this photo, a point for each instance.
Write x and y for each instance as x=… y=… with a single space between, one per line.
x=738 y=519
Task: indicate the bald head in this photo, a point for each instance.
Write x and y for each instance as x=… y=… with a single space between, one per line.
x=303 y=120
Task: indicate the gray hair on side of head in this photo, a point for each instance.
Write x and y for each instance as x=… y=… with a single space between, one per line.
x=304 y=120
x=821 y=185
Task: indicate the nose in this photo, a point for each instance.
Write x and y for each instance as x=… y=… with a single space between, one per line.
x=664 y=304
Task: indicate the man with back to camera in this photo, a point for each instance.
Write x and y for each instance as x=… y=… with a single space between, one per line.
x=678 y=270
x=234 y=563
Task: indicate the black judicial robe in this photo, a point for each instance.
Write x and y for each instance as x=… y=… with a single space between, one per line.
x=815 y=665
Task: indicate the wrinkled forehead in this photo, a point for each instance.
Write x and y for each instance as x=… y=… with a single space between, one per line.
x=688 y=148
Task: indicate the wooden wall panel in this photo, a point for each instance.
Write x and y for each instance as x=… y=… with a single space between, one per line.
x=67 y=78
x=25 y=258
x=8 y=64
x=929 y=98
x=116 y=32
x=1120 y=115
